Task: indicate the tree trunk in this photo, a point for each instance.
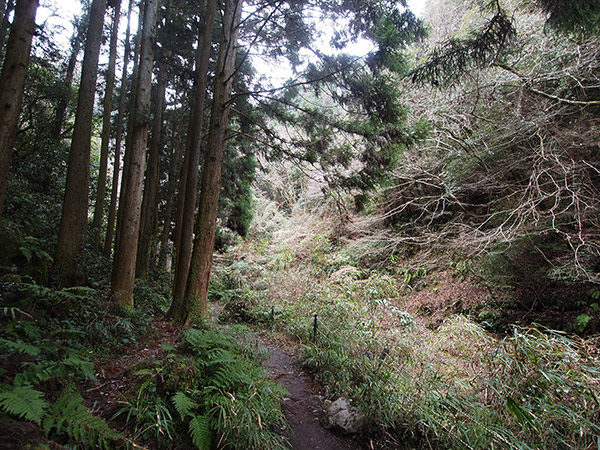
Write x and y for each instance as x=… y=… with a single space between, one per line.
x=106 y=123
x=112 y=210
x=130 y=125
x=12 y=82
x=186 y=226
x=126 y=249
x=196 y=295
x=7 y=8
x=66 y=84
x=149 y=204
x=74 y=220
x=174 y=171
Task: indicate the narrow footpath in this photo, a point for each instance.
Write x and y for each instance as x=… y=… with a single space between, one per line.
x=303 y=406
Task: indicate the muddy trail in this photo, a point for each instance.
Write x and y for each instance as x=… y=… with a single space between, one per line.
x=303 y=406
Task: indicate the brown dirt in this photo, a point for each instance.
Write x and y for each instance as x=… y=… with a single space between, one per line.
x=535 y=299
x=113 y=378
x=303 y=407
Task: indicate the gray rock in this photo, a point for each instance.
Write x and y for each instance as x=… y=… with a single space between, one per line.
x=342 y=416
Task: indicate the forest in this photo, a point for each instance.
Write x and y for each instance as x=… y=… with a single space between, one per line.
x=300 y=224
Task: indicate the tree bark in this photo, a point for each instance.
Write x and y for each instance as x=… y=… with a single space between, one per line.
x=196 y=295
x=8 y=6
x=174 y=171
x=129 y=209
x=194 y=142
x=130 y=124
x=74 y=220
x=112 y=210
x=106 y=123
x=12 y=83
x=63 y=103
x=149 y=203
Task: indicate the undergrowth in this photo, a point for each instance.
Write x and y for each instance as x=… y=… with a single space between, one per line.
x=48 y=340
x=454 y=387
x=206 y=393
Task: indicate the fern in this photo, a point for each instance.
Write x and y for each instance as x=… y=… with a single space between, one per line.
x=200 y=432
x=81 y=365
x=183 y=404
x=69 y=415
x=13 y=311
x=24 y=401
x=20 y=347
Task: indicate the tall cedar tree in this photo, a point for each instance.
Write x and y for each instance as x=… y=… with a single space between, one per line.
x=112 y=209
x=74 y=220
x=150 y=200
x=130 y=208
x=173 y=173
x=130 y=124
x=12 y=83
x=65 y=87
x=189 y=185
x=106 y=123
x=196 y=294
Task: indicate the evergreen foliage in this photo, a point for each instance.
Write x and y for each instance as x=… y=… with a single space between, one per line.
x=68 y=415
x=494 y=179
x=456 y=57
x=572 y=15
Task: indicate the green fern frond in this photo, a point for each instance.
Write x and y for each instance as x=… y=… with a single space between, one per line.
x=226 y=377
x=69 y=415
x=183 y=404
x=144 y=372
x=24 y=401
x=220 y=356
x=80 y=365
x=13 y=312
x=200 y=432
x=20 y=347
x=204 y=340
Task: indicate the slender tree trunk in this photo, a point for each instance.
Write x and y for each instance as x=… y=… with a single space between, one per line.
x=112 y=210
x=74 y=220
x=8 y=6
x=126 y=250
x=181 y=197
x=149 y=203
x=106 y=123
x=186 y=226
x=148 y=217
x=130 y=126
x=63 y=103
x=12 y=82
x=174 y=171
x=196 y=294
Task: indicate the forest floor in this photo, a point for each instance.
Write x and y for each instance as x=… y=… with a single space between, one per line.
x=116 y=375
x=303 y=406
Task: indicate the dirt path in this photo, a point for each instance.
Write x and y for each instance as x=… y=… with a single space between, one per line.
x=303 y=406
